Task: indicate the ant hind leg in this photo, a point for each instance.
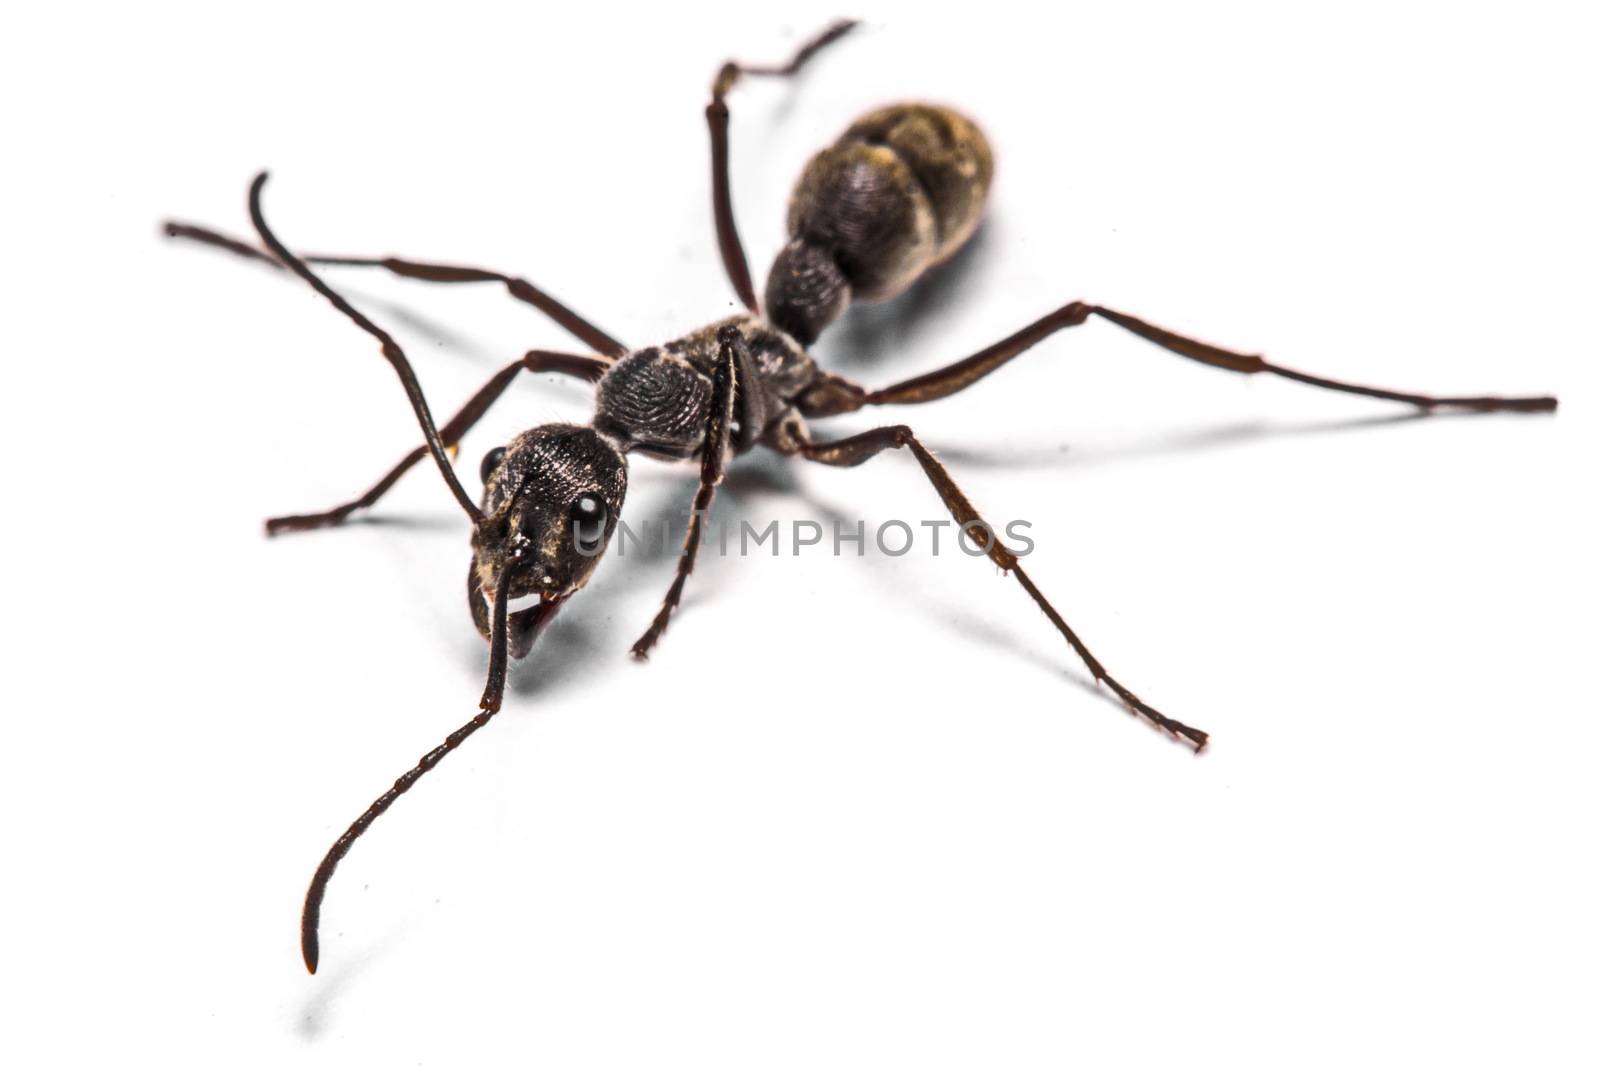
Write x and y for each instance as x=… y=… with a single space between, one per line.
x=733 y=259
x=835 y=396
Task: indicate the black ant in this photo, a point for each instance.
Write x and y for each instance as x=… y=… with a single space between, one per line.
x=900 y=191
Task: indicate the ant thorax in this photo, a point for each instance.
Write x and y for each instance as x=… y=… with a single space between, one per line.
x=656 y=400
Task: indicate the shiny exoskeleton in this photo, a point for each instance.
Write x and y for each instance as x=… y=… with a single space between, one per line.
x=899 y=192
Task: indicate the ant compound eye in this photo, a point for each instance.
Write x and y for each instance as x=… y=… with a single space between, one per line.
x=588 y=522
x=491 y=460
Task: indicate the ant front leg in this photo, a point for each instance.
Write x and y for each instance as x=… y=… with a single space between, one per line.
x=713 y=458
x=588 y=368
x=733 y=260
x=852 y=451
x=835 y=396
x=519 y=288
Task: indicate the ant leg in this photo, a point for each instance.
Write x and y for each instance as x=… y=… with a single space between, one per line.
x=851 y=451
x=719 y=436
x=522 y=290
x=392 y=352
x=833 y=396
x=588 y=368
x=733 y=260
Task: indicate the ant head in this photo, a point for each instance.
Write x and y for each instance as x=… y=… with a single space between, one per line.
x=550 y=502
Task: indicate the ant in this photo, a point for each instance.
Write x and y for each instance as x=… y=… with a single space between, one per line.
x=899 y=192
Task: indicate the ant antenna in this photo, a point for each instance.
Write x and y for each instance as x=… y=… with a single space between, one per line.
x=391 y=349
x=311 y=916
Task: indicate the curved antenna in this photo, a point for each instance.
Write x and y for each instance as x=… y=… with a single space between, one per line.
x=311 y=916
x=391 y=349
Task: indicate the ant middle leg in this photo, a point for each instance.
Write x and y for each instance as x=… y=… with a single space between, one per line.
x=519 y=288
x=834 y=396
x=855 y=450
x=588 y=368
x=733 y=259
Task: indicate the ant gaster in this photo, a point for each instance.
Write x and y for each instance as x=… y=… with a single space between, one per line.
x=900 y=191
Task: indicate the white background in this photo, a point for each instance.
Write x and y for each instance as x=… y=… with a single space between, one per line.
x=855 y=811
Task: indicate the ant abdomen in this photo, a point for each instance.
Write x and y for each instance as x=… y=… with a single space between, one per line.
x=902 y=189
